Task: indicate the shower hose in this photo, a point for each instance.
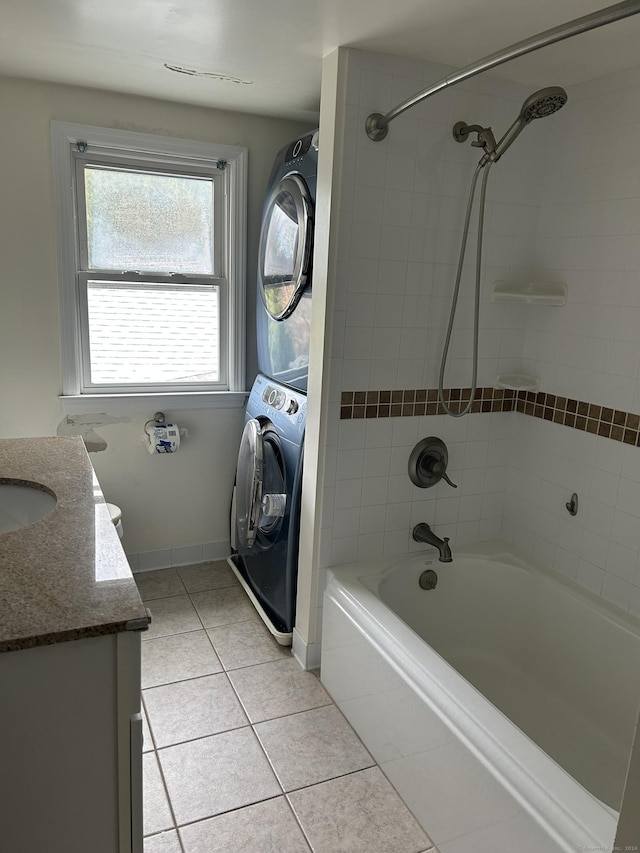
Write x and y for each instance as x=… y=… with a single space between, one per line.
x=454 y=303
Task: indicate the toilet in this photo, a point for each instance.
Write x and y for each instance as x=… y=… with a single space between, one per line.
x=116 y=517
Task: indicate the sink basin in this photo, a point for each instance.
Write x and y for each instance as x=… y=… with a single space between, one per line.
x=22 y=504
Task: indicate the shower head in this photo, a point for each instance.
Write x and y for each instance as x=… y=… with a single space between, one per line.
x=540 y=104
x=543 y=103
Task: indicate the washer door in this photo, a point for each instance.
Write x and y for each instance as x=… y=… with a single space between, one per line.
x=260 y=485
x=285 y=246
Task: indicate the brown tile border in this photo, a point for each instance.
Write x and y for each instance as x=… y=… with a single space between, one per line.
x=588 y=417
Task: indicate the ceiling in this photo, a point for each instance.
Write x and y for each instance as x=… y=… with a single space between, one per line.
x=274 y=48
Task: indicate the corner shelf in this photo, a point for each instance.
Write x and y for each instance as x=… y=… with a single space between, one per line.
x=518 y=382
x=530 y=292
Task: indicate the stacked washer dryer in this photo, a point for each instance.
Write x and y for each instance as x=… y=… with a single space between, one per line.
x=265 y=515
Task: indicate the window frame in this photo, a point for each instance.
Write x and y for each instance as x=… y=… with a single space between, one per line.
x=74 y=144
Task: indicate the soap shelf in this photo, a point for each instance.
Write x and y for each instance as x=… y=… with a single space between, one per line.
x=518 y=382
x=530 y=292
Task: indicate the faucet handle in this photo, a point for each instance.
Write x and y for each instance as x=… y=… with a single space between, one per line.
x=439 y=469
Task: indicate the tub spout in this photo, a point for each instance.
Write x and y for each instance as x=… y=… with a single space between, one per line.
x=423 y=533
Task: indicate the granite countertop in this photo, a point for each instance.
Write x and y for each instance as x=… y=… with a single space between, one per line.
x=66 y=576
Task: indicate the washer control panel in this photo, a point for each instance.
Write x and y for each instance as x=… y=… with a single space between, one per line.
x=274 y=397
x=278 y=399
x=285 y=407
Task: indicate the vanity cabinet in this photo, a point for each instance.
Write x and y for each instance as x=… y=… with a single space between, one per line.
x=71 y=747
x=70 y=627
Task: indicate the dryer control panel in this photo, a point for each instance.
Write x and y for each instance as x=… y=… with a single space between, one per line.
x=299 y=147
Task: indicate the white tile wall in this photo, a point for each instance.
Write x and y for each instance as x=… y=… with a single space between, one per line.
x=181 y=555
x=563 y=204
x=589 y=237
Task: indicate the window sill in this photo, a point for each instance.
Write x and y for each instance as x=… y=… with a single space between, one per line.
x=118 y=404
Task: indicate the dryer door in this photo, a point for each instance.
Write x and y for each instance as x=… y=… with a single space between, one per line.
x=285 y=246
x=260 y=485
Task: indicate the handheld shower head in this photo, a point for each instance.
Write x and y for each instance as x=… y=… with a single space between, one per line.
x=543 y=103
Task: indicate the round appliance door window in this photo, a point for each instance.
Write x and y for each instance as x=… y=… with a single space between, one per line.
x=285 y=246
x=249 y=483
x=260 y=484
x=273 y=503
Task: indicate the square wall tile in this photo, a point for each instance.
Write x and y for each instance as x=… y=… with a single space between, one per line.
x=185 y=555
x=151 y=560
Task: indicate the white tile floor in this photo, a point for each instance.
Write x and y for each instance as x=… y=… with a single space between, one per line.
x=244 y=751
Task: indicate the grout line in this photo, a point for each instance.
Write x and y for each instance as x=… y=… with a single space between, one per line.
x=203 y=737
x=250 y=724
x=166 y=789
x=295 y=817
x=228 y=811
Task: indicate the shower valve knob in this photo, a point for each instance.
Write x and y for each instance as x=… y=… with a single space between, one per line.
x=428 y=463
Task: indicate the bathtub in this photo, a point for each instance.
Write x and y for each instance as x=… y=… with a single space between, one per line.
x=501 y=704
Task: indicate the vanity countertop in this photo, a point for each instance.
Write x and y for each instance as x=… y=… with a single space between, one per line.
x=66 y=576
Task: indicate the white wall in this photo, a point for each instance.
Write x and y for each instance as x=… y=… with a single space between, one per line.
x=168 y=502
x=552 y=213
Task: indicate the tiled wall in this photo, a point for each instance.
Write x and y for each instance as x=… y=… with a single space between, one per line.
x=588 y=237
x=552 y=215
x=615 y=424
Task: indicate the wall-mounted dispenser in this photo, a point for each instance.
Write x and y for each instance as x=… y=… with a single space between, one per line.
x=160 y=436
x=428 y=463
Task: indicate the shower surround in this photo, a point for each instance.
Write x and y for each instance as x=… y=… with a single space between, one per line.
x=557 y=210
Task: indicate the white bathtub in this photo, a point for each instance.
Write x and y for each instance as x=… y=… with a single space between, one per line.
x=501 y=704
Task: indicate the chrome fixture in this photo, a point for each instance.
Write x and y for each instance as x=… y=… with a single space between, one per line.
x=542 y=103
x=423 y=533
x=377 y=124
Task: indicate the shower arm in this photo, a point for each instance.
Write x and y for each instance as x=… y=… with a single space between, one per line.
x=377 y=124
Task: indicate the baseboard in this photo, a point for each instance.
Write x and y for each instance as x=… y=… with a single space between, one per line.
x=307 y=654
x=181 y=555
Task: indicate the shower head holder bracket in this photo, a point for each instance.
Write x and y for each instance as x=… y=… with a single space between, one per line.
x=461 y=130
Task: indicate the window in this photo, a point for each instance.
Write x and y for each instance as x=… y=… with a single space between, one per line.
x=151 y=264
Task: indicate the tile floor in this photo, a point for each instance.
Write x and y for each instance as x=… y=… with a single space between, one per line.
x=244 y=751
